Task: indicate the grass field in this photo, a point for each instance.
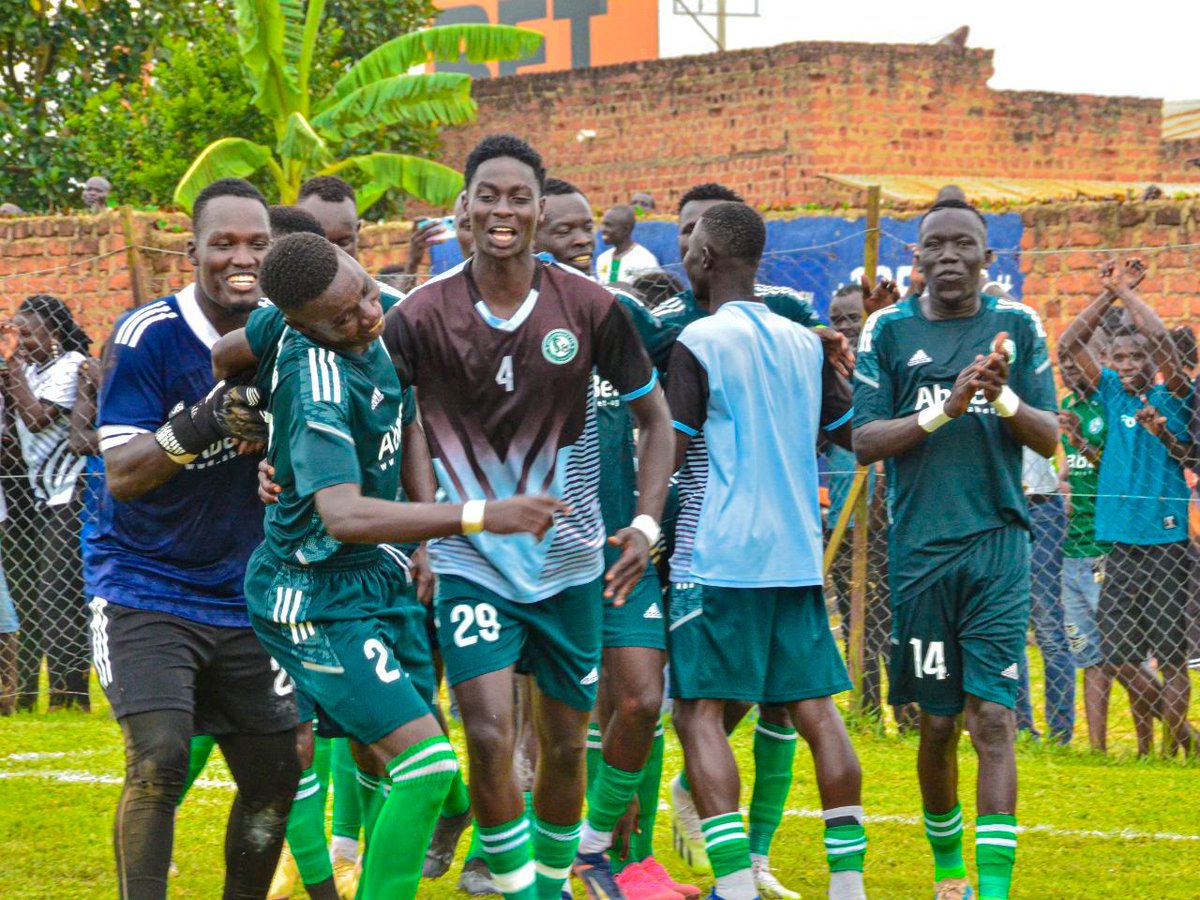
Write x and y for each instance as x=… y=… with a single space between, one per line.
x=1096 y=828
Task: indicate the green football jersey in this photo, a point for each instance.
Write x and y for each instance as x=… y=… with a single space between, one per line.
x=783 y=301
x=614 y=421
x=965 y=478
x=1084 y=478
x=334 y=418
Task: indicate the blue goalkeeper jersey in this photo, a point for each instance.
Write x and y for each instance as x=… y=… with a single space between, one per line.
x=182 y=547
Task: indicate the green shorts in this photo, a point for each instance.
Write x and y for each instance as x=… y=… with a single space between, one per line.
x=639 y=621
x=962 y=630
x=556 y=640
x=763 y=645
x=368 y=675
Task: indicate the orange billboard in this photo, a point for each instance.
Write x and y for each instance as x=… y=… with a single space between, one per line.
x=579 y=33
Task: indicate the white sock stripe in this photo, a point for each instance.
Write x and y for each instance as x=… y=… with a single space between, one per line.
x=996 y=842
x=985 y=829
x=306 y=792
x=558 y=836
x=766 y=732
x=594 y=745
x=842 y=812
x=934 y=823
x=310 y=778
x=521 y=826
x=846 y=851
x=368 y=781
x=943 y=830
x=441 y=747
x=854 y=840
x=517 y=879
x=711 y=842
x=548 y=872
x=722 y=828
x=441 y=765
x=501 y=848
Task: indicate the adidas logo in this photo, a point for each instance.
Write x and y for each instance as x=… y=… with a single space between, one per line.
x=919 y=358
x=376 y=398
x=590 y=678
x=1010 y=672
x=653 y=612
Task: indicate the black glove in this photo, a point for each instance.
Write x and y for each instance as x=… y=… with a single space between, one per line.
x=228 y=410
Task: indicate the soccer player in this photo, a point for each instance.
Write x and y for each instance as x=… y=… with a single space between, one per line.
x=501 y=351
x=322 y=587
x=1142 y=507
x=749 y=391
x=625 y=745
x=171 y=639
x=774 y=734
x=949 y=386
x=625 y=258
x=333 y=203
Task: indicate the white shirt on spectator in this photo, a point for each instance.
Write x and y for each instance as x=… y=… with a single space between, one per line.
x=53 y=469
x=637 y=259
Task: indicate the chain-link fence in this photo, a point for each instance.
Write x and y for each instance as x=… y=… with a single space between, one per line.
x=1124 y=594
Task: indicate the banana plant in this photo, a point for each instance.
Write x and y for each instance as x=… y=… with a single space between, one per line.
x=276 y=39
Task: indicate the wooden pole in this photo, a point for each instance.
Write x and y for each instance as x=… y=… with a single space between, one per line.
x=858 y=565
x=133 y=257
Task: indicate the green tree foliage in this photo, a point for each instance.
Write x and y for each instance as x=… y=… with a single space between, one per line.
x=315 y=130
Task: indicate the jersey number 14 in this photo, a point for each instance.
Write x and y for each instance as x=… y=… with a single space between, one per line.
x=932 y=661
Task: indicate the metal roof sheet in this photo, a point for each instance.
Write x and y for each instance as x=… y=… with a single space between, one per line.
x=1180 y=120
x=922 y=189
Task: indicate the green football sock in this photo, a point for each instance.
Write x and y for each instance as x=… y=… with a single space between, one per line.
x=607 y=799
x=347 y=815
x=306 y=830
x=845 y=847
x=475 y=849
x=595 y=751
x=945 y=832
x=508 y=851
x=642 y=843
x=554 y=849
x=683 y=782
x=420 y=777
x=458 y=800
x=201 y=748
x=727 y=844
x=322 y=760
x=774 y=753
x=372 y=791
x=995 y=853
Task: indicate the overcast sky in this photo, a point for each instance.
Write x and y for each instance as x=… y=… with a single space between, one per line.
x=1146 y=50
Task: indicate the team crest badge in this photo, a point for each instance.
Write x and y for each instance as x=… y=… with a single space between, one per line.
x=559 y=346
x=1010 y=349
x=1095 y=426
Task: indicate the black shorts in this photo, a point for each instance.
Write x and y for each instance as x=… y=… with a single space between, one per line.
x=148 y=661
x=1143 y=603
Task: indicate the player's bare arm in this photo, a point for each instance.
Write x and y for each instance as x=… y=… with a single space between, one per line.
x=420 y=486
x=351 y=518
x=655 y=465
x=231 y=355
x=885 y=438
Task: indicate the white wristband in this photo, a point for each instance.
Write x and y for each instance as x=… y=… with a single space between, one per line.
x=933 y=417
x=1007 y=403
x=472 y=516
x=647 y=526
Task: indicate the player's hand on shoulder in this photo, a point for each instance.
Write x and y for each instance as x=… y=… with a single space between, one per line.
x=239 y=413
x=625 y=573
x=837 y=350
x=268 y=490
x=522 y=515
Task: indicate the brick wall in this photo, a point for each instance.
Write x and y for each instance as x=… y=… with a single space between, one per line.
x=1060 y=284
x=85 y=260
x=1057 y=283
x=769 y=121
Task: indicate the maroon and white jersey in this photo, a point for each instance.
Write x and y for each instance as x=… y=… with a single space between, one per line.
x=508 y=407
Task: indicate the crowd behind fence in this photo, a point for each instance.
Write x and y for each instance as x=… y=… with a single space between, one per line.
x=52 y=479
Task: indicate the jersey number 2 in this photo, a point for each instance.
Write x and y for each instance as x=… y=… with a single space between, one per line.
x=373 y=649
x=504 y=375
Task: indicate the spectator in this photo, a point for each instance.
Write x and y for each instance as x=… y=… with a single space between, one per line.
x=8 y=210
x=426 y=233
x=19 y=547
x=85 y=442
x=1084 y=429
x=642 y=203
x=42 y=349
x=9 y=623
x=1142 y=506
x=95 y=193
x=1047 y=530
x=625 y=259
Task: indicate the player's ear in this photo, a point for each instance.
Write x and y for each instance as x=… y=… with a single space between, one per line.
x=192 y=257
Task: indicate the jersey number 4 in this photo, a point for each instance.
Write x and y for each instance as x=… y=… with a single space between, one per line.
x=932 y=662
x=504 y=375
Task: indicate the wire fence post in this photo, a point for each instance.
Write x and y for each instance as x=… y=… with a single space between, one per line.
x=858 y=567
x=133 y=257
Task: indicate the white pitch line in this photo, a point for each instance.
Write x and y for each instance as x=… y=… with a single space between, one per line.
x=1125 y=834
